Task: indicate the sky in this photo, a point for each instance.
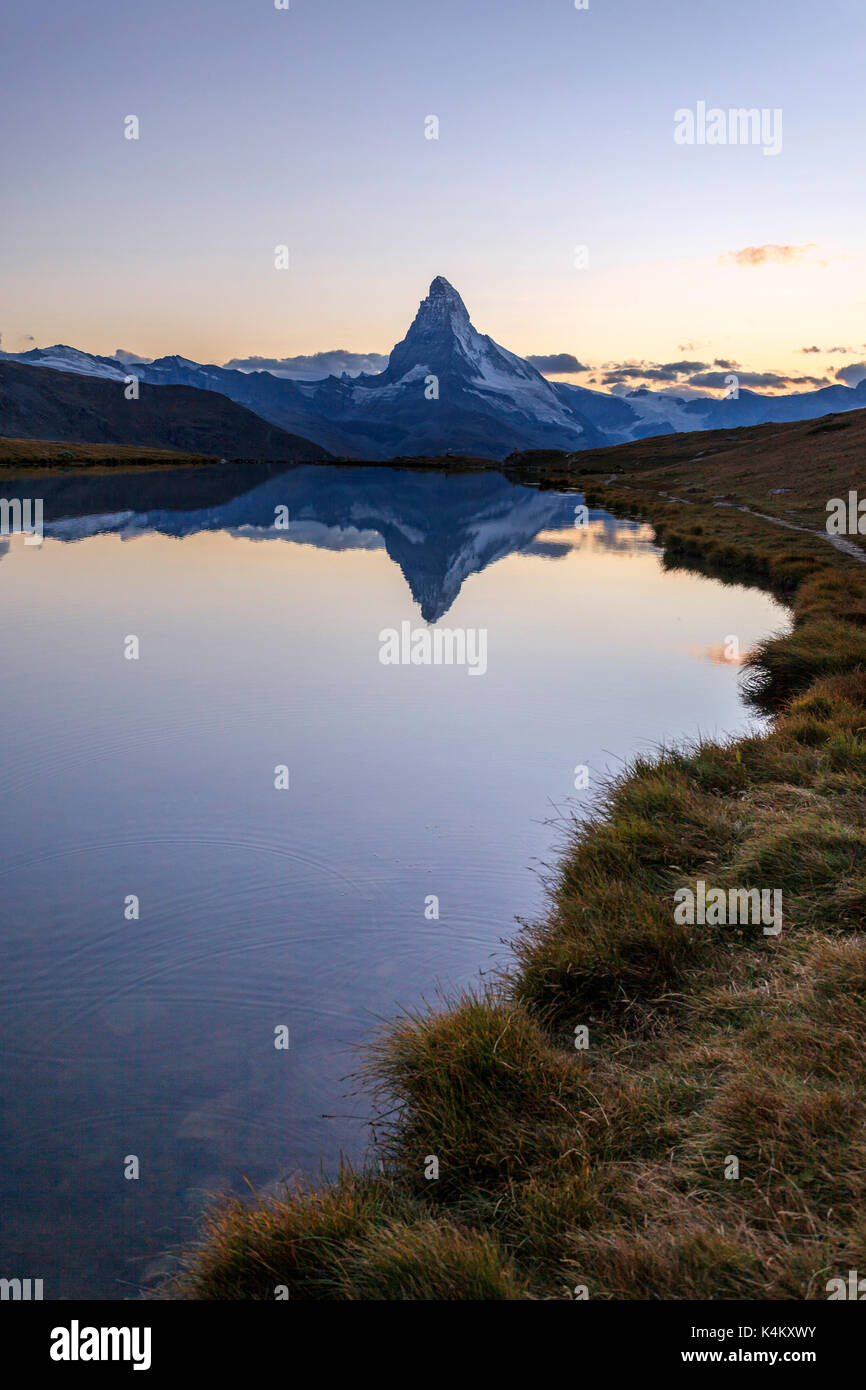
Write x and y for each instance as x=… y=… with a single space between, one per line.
x=307 y=128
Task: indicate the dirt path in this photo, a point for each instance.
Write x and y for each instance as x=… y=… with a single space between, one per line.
x=838 y=542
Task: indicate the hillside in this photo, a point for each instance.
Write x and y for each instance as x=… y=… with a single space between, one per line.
x=784 y=472
x=49 y=455
x=40 y=403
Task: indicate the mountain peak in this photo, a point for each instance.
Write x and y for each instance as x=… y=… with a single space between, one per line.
x=443 y=303
x=440 y=329
x=440 y=287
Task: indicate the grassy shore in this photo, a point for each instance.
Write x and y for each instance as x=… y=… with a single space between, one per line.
x=53 y=456
x=605 y=1167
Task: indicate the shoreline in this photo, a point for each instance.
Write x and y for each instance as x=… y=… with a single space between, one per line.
x=708 y=1140
x=641 y=1107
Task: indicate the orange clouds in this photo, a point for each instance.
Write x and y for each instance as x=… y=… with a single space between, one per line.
x=767 y=255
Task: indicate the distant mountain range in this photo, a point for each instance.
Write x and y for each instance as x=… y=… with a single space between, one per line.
x=447 y=389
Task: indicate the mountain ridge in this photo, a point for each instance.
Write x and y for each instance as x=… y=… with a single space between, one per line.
x=447 y=388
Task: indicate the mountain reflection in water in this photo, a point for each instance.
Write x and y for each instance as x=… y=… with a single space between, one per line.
x=438 y=528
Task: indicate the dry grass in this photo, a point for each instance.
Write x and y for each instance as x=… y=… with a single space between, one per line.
x=46 y=455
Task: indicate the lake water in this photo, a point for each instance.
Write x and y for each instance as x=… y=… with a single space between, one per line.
x=306 y=908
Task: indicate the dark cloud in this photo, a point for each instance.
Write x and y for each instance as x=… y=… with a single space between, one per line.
x=315 y=366
x=776 y=381
x=669 y=372
x=621 y=374
x=853 y=374
x=828 y=351
x=682 y=368
x=557 y=363
x=702 y=375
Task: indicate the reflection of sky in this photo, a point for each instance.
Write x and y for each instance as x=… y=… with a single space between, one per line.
x=258 y=907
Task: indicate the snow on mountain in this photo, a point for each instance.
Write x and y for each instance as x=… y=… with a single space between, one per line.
x=443 y=342
x=658 y=414
x=69 y=359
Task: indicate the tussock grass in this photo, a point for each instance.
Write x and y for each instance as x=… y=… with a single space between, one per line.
x=429 y=1260
x=300 y=1241
x=462 y=1078
x=610 y=1166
